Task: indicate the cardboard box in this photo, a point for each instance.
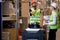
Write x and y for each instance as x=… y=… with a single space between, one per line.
x=7 y=8
x=24 y=23
x=41 y=20
x=11 y=35
x=25 y=9
x=5 y=36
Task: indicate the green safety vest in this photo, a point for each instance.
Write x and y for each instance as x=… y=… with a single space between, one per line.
x=56 y=26
x=35 y=17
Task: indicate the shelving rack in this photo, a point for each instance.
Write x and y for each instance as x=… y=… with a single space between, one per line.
x=13 y=18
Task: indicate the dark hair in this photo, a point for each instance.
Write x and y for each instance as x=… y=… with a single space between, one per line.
x=54 y=8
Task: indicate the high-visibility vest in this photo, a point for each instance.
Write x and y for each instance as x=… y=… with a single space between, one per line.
x=56 y=26
x=35 y=17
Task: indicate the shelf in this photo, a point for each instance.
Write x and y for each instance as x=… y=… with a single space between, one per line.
x=7 y=18
x=9 y=14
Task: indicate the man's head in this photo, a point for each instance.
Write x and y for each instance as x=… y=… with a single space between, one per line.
x=53 y=6
x=34 y=4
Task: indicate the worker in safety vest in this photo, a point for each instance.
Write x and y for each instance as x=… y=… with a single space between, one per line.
x=35 y=15
x=54 y=22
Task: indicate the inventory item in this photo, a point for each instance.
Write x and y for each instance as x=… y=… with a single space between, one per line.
x=9 y=34
x=7 y=8
x=25 y=9
x=5 y=36
x=33 y=34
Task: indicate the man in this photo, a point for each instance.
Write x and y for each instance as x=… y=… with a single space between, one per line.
x=35 y=16
x=53 y=24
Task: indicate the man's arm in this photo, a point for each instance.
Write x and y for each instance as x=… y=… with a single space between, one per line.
x=54 y=20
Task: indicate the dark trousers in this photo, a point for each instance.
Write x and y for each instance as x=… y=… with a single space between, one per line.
x=52 y=34
x=34 y=26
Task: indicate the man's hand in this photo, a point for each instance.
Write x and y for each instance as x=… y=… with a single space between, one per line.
x=45 y=23
x=33 y=12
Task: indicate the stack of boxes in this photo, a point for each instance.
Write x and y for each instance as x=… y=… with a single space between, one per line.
x=24 y=8
x=24 y=16
x=8 y=9
x=9 y=34
x=24 y=13
x=5 y=36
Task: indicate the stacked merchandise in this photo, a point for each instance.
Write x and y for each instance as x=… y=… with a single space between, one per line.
x=7 y=8
x=25 y=8
x=24 y=12
x=5 y=36
x=9 y=34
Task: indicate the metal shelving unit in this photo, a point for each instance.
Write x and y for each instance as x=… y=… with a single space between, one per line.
x=13 y=19
x=17 y=15
x=7 y=19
